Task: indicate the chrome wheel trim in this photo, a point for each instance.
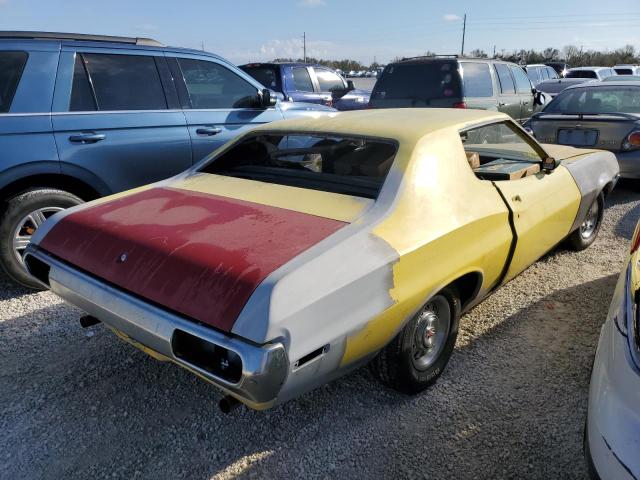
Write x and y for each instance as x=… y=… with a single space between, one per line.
x=28 y=226
x=588 y=227
x=431 y=333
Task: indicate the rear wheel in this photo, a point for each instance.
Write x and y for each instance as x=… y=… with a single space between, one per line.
x=416 y=357
x=24 y=214
x=587 y=232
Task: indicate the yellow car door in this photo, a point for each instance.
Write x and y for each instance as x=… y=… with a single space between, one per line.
x=543 y=207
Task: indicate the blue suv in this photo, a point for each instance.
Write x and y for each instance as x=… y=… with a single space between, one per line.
x=85 y=116
x=303 y=82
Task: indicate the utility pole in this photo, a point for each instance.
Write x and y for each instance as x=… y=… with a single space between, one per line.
x=464 y=30
x=202 y=44
x=494 y=51
x=304 y=46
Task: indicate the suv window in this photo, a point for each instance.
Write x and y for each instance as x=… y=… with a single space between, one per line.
x=419 y=82
x=11 y=67
x=302 y=79
x=327 y=162
x=211 y=85
x=125 y=82
x=523 y=85
x=532 y=73
x=82 y=99
x=327 y=80
x=506 y=82
x=476 y=79
x=581 y=74
x=267 y=75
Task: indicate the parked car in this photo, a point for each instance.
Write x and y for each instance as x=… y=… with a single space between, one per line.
x=551 y=88
x=561 y=68
x=429 y=82
x=604 y=115
x=84 y=116
x=612 y=432
x=627 y=69
x=594 y=73
x=300 y=82
x=622 y=78
x=305 y=248
x=539 y=73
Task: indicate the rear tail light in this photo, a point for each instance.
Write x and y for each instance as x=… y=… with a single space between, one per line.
x=632 y=140
x=460 y=105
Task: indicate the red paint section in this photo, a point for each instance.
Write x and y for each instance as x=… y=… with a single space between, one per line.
x=197 y=254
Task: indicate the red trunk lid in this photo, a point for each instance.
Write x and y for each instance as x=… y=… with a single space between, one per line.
x=197 y=254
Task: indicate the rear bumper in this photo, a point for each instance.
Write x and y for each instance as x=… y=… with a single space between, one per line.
x=264 y=367
x=629 y=164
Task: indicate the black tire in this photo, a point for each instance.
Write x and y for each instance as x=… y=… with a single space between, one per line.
x=396 y=365
x=582 y=237
x=45 y=201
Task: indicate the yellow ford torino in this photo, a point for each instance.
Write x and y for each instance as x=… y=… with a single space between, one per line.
x=306 y=248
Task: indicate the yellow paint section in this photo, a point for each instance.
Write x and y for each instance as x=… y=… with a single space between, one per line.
x=436 y=245
x=564 y=152
x=344 y=208
x=544 y=209
x=152 y=353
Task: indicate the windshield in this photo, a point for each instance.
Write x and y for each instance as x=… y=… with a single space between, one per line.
x=420 y=82
x=267 y=75
x=597 y=100
x=347 y=165
x=581 y=74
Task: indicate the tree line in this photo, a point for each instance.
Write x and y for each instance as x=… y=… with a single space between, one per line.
x=571 y=54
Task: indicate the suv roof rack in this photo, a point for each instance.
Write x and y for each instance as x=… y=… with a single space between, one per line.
x=429 y=56
x=81 y=37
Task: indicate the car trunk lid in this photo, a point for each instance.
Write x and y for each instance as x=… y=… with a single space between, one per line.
x=194 y=253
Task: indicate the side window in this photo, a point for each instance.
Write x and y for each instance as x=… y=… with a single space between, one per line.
x=11 y=67
x=501 y=151
x=125 y=82
x=523 y=85
x=302 y=79
x=532 y=73
x=328 y=80
x=506 y=82
x=82 y=99
x=211 y=86
x=476 y=79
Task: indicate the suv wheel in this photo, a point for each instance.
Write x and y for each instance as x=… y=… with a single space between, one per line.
x=24 y=214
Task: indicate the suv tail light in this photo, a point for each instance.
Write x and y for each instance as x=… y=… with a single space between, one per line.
x=460 y=105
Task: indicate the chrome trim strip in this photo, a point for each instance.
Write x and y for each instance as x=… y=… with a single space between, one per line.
x=264 y=368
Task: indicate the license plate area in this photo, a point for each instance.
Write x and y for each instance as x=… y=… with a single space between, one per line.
x=579 y=137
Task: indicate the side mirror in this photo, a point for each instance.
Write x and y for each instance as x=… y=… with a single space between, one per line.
x=350 y=85
x=549 y=164
x=267 y=98
x=538 y=98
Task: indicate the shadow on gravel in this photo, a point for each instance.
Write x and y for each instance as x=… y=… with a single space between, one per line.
x=9 y=289
x=627 y=191
x=80 y=404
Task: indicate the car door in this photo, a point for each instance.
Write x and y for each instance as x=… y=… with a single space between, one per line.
x=524 y=89
x=219 y=101
x=543 y=205
x=116 y=118
x=508 y=100
x=301 y=86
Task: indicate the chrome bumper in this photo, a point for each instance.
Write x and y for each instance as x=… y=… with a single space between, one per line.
x=264 y=368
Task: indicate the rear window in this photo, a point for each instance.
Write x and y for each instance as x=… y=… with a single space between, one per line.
x=623 y=71
x=581 y=74
x=597 y=100
x=419 y=82
x=552 y=86
x=267 y=75
x=476 y=79
x=330 y=163
x=11 y=67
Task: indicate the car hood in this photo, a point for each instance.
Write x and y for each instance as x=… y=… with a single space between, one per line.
x=192 y=251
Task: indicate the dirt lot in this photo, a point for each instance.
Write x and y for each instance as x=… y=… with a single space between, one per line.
x=81 y=404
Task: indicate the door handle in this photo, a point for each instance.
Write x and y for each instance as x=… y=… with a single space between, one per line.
x=208 y=131
x=501 y=104
x=525 y=102
x=87 y=137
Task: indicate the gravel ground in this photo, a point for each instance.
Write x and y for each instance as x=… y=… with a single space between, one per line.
x=79 y=403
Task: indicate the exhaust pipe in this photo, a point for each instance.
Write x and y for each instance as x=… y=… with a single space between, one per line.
x=228 y=404
x=88 y=321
